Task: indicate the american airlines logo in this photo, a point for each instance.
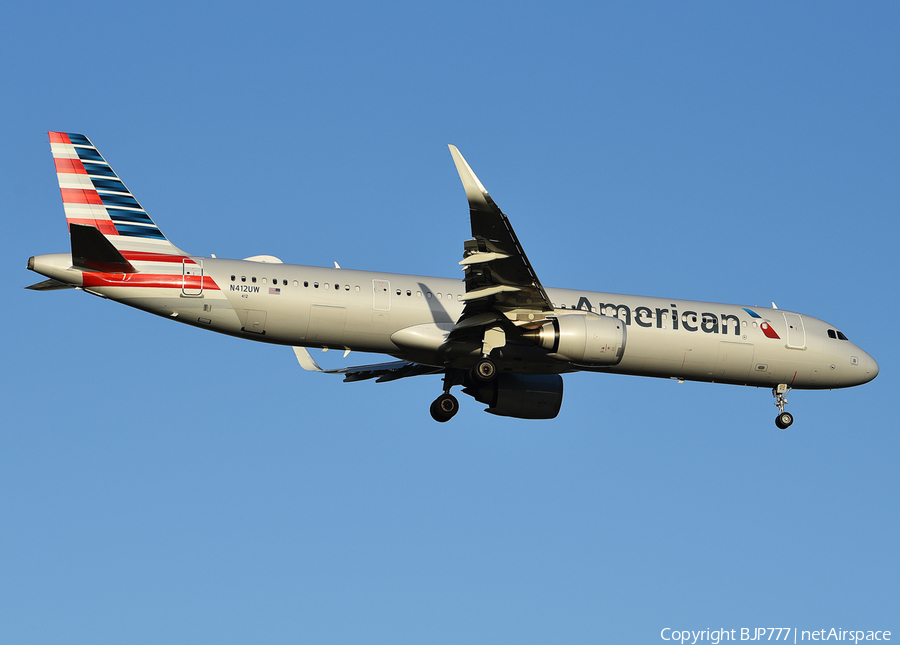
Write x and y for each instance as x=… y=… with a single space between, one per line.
x=660 y=317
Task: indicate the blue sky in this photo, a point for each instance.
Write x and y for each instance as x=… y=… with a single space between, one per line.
x=159 y=484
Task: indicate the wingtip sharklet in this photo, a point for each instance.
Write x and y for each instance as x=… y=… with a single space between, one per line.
x=306 y=361
x=476 y=193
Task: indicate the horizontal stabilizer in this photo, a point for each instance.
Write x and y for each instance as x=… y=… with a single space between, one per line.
x=50 y=285
x=91 y=251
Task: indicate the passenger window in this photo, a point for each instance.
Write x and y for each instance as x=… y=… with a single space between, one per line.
x=346 y=287
x=232 y=278
x=243 y=278
x=408 y=292
x=253 y=279
x=297 y=284
x=315 y=285
x=264 y=281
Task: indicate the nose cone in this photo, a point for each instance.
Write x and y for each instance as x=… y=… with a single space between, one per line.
x=871 y=368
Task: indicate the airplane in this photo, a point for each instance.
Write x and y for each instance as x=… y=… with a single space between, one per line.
x=498 y=333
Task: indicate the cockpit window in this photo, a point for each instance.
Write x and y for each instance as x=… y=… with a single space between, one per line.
x=842 y=337
x=832 y=334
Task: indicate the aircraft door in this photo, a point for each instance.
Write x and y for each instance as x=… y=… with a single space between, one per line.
x=796 y=334
x=381 y=295
x=191 y=278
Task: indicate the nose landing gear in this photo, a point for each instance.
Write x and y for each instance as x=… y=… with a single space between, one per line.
x=784 y=419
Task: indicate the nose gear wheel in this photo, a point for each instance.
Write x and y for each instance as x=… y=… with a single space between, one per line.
x=784 y=419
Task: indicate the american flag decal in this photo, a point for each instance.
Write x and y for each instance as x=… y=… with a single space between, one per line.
x=274 y=291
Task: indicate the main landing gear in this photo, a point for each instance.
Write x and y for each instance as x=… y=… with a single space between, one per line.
x=784 y=419
x=485 y=370
x=446 y=405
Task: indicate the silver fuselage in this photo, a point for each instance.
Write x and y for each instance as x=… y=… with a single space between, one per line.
x=373 y=312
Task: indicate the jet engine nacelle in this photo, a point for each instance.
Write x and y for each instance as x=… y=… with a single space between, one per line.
x=582 y=338
x=523 y=396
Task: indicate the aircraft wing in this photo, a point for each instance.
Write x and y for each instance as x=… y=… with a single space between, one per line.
x=382 y=372
x=499 y=277
x=500 y=284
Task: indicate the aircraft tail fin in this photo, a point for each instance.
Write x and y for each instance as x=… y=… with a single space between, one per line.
x=93 y=195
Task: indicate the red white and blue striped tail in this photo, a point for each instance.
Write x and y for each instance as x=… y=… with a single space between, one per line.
x=93 y=195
